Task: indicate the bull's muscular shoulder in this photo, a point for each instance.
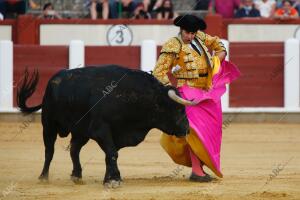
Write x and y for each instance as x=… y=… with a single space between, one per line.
x=173 y=45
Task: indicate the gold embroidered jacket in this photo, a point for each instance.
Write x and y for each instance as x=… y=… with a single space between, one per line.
x=195 y=69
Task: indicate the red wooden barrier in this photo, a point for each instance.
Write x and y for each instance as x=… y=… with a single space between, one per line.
x=261 y=84
x=50 y=59
x=125 y=56
x=47 y=59
x=260 y=63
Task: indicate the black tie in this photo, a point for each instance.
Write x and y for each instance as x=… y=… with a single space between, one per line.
x=196 y=49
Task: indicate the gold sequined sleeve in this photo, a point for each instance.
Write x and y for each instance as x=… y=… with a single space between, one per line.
x=162 y=67
x=168 y=52
x=212 y=42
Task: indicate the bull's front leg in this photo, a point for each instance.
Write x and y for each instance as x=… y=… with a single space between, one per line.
x=101 y=133
x=112 y=178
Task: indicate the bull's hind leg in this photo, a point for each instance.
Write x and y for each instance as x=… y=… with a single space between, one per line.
x=49 y=136
x=76 y=144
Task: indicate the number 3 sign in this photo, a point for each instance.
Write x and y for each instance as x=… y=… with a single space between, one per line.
x=119 y=35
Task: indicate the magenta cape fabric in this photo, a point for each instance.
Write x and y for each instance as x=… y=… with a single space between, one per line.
x=206 y=117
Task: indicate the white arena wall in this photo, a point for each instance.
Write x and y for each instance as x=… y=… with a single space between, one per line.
x=5 y=32
x=94 y=34
x=62 y=34
x=262 y=32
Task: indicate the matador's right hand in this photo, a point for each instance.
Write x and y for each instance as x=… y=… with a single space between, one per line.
x=175 y=69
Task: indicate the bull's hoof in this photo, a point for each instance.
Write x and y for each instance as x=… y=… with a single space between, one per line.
x=44 y=178
x=77 y=180
x=112 y=184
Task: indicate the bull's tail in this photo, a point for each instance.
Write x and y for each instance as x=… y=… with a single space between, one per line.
x=25 y=90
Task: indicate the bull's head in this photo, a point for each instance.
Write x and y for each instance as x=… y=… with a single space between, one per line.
x=174 y=121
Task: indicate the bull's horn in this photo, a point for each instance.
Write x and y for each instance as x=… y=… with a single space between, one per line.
x=172 y=94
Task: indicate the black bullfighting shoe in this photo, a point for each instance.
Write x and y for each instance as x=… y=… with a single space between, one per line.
x=204 y=179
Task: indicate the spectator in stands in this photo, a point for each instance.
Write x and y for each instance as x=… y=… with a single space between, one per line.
x=123 y=9
x=49 y=12
x=1 y=16
x=152 y=5
x=33 y=4
x=226 y=8
x=297 y=6
x=201 y=4
x=140 y=12
x=12 y=6
x=247 y=10
x=278 y=3
x=266 y=7
x=286 y=12
x=166 y=10
x=99 y=7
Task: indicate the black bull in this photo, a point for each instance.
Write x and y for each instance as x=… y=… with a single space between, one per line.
x=112 y=105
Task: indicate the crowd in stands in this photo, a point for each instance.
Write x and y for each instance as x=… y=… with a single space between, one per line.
x=132 y=9
x=98 y=9
x=280 y=9
x=159 y=9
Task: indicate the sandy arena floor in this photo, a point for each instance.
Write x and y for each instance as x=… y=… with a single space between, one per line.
x=259 y=161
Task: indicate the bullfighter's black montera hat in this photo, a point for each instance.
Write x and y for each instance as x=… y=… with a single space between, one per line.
x=190 y=23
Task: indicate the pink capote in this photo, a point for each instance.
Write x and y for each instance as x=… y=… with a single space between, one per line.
x=206 y=118
x=205 y=121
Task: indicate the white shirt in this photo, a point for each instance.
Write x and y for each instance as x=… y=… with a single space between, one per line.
x=195 y=43
x=265 y=8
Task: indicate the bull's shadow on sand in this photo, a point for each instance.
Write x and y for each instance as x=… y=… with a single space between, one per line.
x=129 y=181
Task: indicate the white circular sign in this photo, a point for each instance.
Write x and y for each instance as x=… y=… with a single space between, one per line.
x=119 y=35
